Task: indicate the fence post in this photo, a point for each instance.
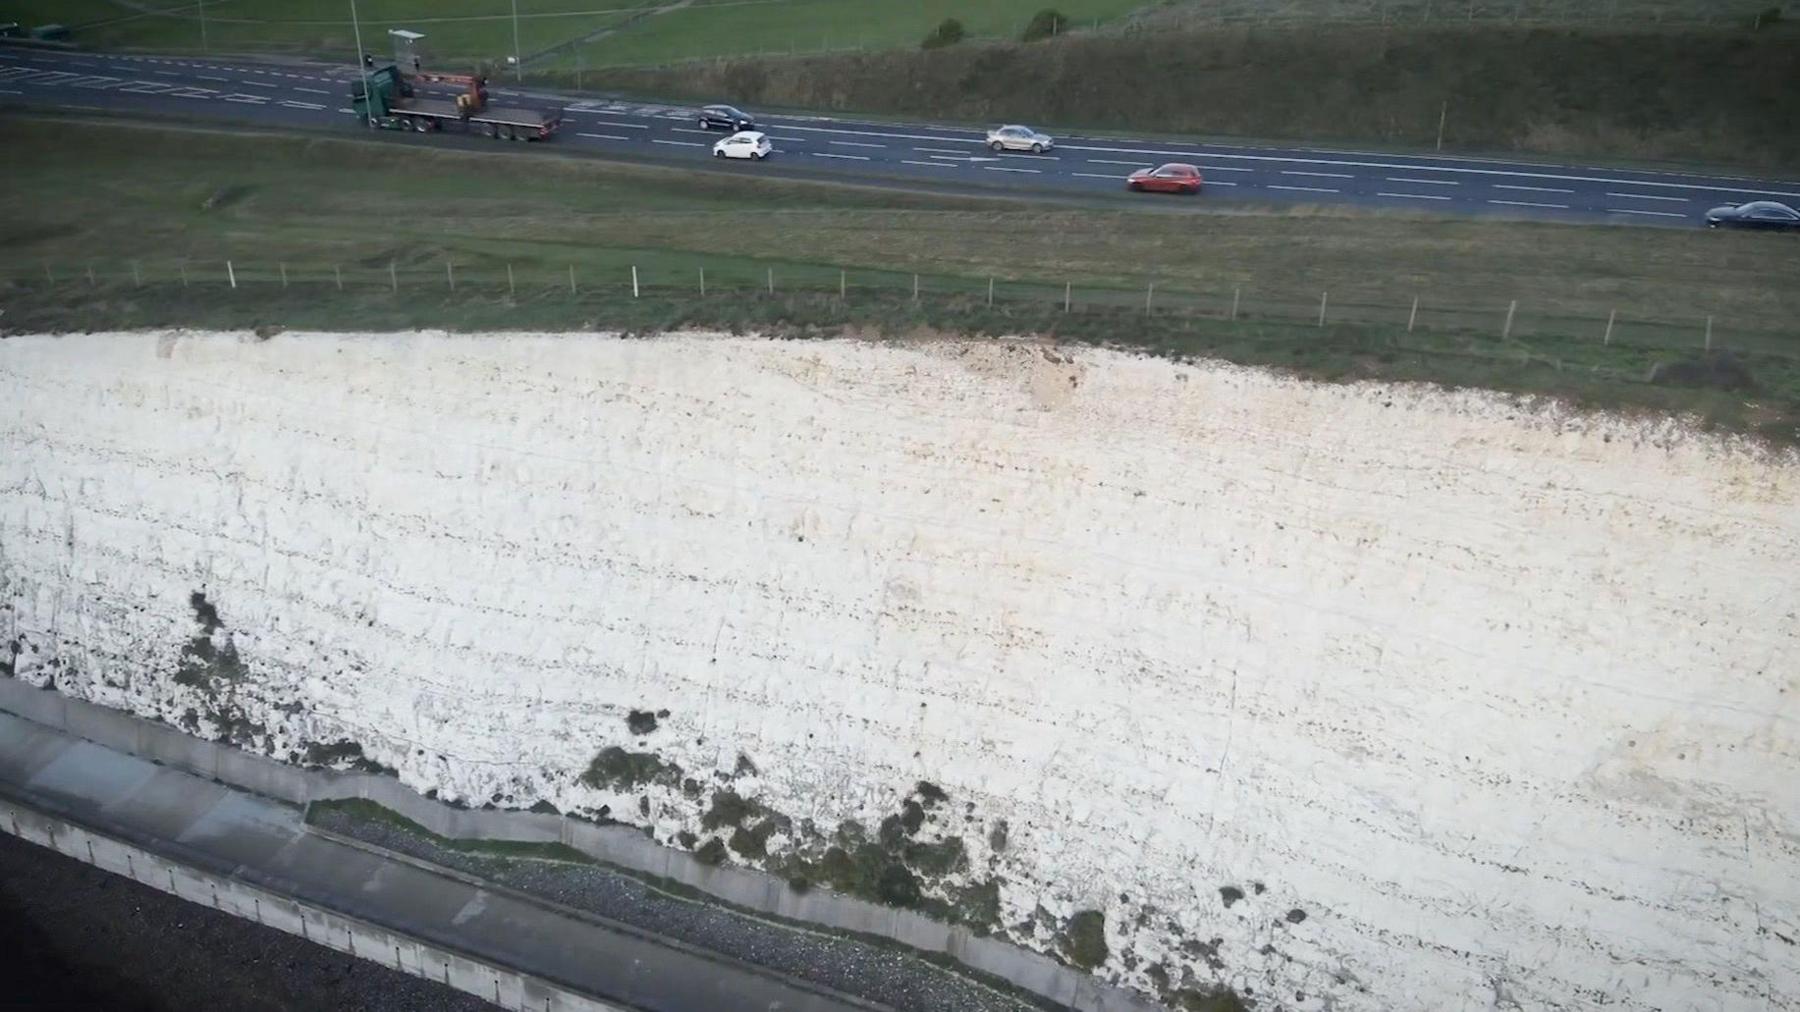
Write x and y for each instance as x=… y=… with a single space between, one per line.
x=137 y=278
x=1443 y=114
x=1322 y=308
x=571 y=279
x=337 y=274
x=283 y=265
x=231 y=274
x=1413 y=317
x=703 y=282
x=915 y=288
x=1610 y=317
x=1148 y=292
x=1068 y=294
x=840 y=284
x=771 y=281
x=990 y=290
x=634 y=283
x=511 y=289
x=393 y=278
x=183 y=266
x=91 y=280
x=450 y=275
x=1506 y=332
x=1709 y=333
x=51 y=278
x=1235 y=292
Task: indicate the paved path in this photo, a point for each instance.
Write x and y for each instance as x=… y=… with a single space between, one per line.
x=938 y=157
x=264 y=843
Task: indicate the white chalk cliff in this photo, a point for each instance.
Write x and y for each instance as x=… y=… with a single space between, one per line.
x=1478 y=705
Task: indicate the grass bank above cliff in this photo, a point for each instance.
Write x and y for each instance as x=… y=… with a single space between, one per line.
x=1723 y=95
x=135 y=226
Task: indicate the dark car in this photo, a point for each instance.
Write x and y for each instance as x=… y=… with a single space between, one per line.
x=724 y=117
x=1765 y=214
x=1175 y=177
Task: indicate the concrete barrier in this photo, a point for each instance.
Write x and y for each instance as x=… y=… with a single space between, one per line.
x=617 y=845
x=504 y=987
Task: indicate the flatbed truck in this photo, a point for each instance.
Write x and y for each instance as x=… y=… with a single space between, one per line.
x=385 y=99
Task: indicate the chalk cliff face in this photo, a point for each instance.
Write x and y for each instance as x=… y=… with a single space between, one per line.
x=1346 y=697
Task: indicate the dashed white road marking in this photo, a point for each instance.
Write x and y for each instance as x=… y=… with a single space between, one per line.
x=1008 y=168
x=1414 y=196
x=1329 y=175
x=1223 y=168
x=1305 y=189
x=688 y=130
x=1647 y=196
x=166 y=73
x=625 y=126
x=684 y=144
x=211 y=77
x=1533 y=189
x=941 y=151
x=1655 y=214
x=301 y=105
x=260 y=84
x=312 y=91
x=935 y=165
x=832 y=154
x=1096 y=175
x=856 y=144
x=1527 y=203
x=604 y=137
x=1423 y=182
x=1108 y=161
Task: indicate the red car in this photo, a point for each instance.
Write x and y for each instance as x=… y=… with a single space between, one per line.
x=1175 y=177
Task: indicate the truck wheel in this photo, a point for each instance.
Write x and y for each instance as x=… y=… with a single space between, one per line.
x=422 y=125
x=493 y=130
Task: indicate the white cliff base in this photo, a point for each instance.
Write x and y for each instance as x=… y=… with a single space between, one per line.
x=1345 y=697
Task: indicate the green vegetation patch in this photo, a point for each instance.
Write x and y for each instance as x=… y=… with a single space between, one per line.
x=364 y=809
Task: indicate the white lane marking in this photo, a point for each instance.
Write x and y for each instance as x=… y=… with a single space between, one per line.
x=148 y=88
x=210 y=77
x=856 y=144
x=94 y=81
x=1223 y=168
x=1504 y=173
x=1424 y=182
x=1534 y=189
x=830 y=154
x=685 y=144
x=1307 y=189
x=312 y=91
x=346 y=110
x=941 y=151
x=891 y=136
x=166 y=73
x=1658 y=214
x=1647 y=196
x=935 y=165
x=1096 y=175
x=1044 y=158
x=1007 y=168
x=246 y=99
x=301 y=105
x=688 y=130
x=1414 y=196
x=196 y=92
x=1219 y=182
x=10 y=91
x=1108 y=161
x=1527 y=203
x=604 y=137
x=260 y=84
x=626 y=126
x=1332 y=175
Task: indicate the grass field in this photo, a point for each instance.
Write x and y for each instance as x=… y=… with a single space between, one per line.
x=144 y=208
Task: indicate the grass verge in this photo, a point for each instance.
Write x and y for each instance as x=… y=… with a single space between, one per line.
x=396 y=226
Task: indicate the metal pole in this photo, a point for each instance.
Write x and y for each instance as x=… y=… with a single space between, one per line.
x=362 y=65
x=393 y=277
x=230 y=273
x=990 y=290
x=51 y=278
x=92 y=281
x=510 y=288
x=1709 y=333
x=915 y=288
x=1510 y=310
x=183 y=266
x=1610 y=317
x=1235 y=292
x=1322 y=308
x=1443 y=114
x=1068 y=292
x=771 y=281
x=841 y=286
x=1413 y=317
x=634 y=285
x=136 y=277
x=518 y=61
x=571 y=279
x=1147 y=293
x=703 y=282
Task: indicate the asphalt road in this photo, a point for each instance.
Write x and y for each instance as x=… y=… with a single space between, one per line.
x=314 y=96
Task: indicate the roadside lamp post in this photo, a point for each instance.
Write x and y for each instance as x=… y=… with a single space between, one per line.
x=363 y=66
x=201 y=4
x=518 y=61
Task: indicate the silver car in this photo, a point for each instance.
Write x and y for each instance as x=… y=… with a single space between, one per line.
x=1019 y=138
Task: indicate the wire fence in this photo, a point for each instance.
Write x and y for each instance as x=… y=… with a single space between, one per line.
x=665 y=276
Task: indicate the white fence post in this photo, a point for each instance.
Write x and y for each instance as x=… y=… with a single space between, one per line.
x=1068 y=294
x=1413 y=317
x=841 y=285
x=338 y=273
x=183 y=267
x=771 y=281
x=915 y=288
x=1236 y=291
x=137 y=278
x=230 y=273
x=1148 y=292
x=282 y=264
x=990 y=290
x=1506 y=331
x=450 y=275
x=1610 y=317
x=393 y=278
x=703 y=282
x=571 y=279
x=1322 y=296
x=1709 y=333
x=511 y=289
x=634 y=281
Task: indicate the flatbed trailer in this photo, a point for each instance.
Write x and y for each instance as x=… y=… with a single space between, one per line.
x=385 y=100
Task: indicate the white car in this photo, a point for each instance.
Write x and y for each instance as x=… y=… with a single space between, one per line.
x=1019 y=138
x=744 y=144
